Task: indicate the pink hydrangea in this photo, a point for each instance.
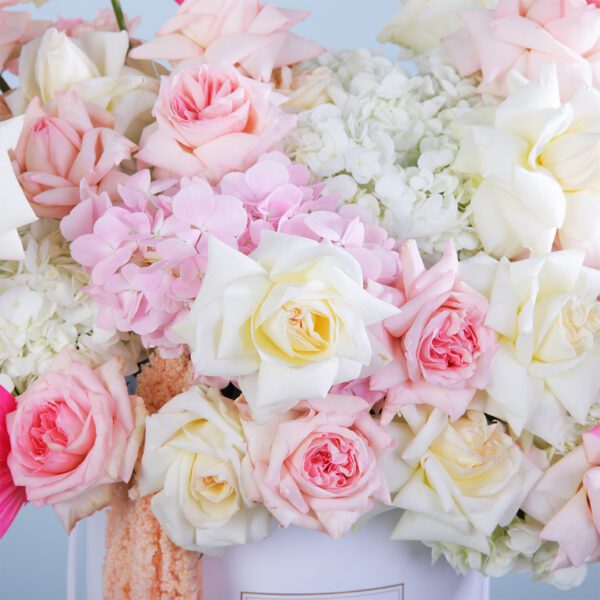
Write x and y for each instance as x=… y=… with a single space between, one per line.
x=278 y=196
x=147 y=254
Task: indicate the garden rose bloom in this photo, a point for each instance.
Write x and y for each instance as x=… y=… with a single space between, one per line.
x=105 y=20
x=520 y=203
x=75 y=431
x=442 y=348
x=320 y=466
x=547 y=316
x=62 y=144
x=421 y=24
x=524 y=35
x=16 y=28
x=244 y=33
x=212 y=120
x=192 y=462
x=93 y=65
x=288 y=321
x=567 y=501
x=467 y=478
x=12 y=497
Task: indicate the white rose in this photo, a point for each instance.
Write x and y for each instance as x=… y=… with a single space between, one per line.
x=94 y=66
x=547 y=316
x=192 y=462
x=288 y=321
x=520 y=204
x=469 y=477
x=421 y=24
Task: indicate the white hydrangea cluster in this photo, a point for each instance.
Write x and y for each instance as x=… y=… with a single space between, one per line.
x=516 y=548
x=387 y=141
x=44 y=309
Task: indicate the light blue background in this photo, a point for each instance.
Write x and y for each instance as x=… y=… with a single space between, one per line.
x=33 y=553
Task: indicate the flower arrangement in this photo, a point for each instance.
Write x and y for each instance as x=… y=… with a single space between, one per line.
x=377 y=281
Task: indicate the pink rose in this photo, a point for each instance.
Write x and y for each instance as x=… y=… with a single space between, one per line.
x=12 y=497
x=75 y=431
x=62 y=144
x=212 y=120
x=244 y=33
x=566 y=500
x=318 y=467
x=524 y=35
x=442 y=349
x=105 y=20
x=16 y=29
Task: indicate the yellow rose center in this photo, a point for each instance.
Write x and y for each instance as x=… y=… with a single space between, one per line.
x=307 y=330
x=581 y=324
x=299 y=332
x=211 y=488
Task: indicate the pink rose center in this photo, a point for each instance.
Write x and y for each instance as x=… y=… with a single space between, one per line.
x=41 y=125
x=212 y=95
x=331 y=462
x=451 y=341
x=45 y=433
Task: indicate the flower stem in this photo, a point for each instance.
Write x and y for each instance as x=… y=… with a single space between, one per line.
x=116 y=4
x=4 y=87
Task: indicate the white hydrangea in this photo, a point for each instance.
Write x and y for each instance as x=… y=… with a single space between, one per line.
x=516 y=548
x=44 y=309
x=387 y=140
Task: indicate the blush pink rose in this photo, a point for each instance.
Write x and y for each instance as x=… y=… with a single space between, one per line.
x=16 y=29
x=12 y=497
x=210 y=121
x=62 y=144
x=441 y=346
x=524 y=35
x=566 y=500
x=105 y=20
x=75 y=431
x=318 y=467
x=245 y=33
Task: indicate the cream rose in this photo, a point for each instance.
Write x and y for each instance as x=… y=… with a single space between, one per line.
x=468 y=477
x=520 y=204
x=192 y=462
x=94 y=66
x=546 y=313
x=421 y=24
x=288 y=321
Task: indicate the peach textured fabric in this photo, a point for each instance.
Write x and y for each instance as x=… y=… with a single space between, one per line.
x=141 y=562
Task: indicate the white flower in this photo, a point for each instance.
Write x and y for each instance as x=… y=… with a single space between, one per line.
x=192 y=462
x=16 y=210
x=43 y=309
x=547 y=316
x=94 y=66
x=469 y=477
x=422 y=24
x=396 y=136
x=540 y=163
x=287 y=322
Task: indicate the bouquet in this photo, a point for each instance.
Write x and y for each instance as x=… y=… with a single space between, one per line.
x=373 y=284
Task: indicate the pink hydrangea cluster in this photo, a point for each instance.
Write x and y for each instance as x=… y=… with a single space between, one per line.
x=147 y=254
